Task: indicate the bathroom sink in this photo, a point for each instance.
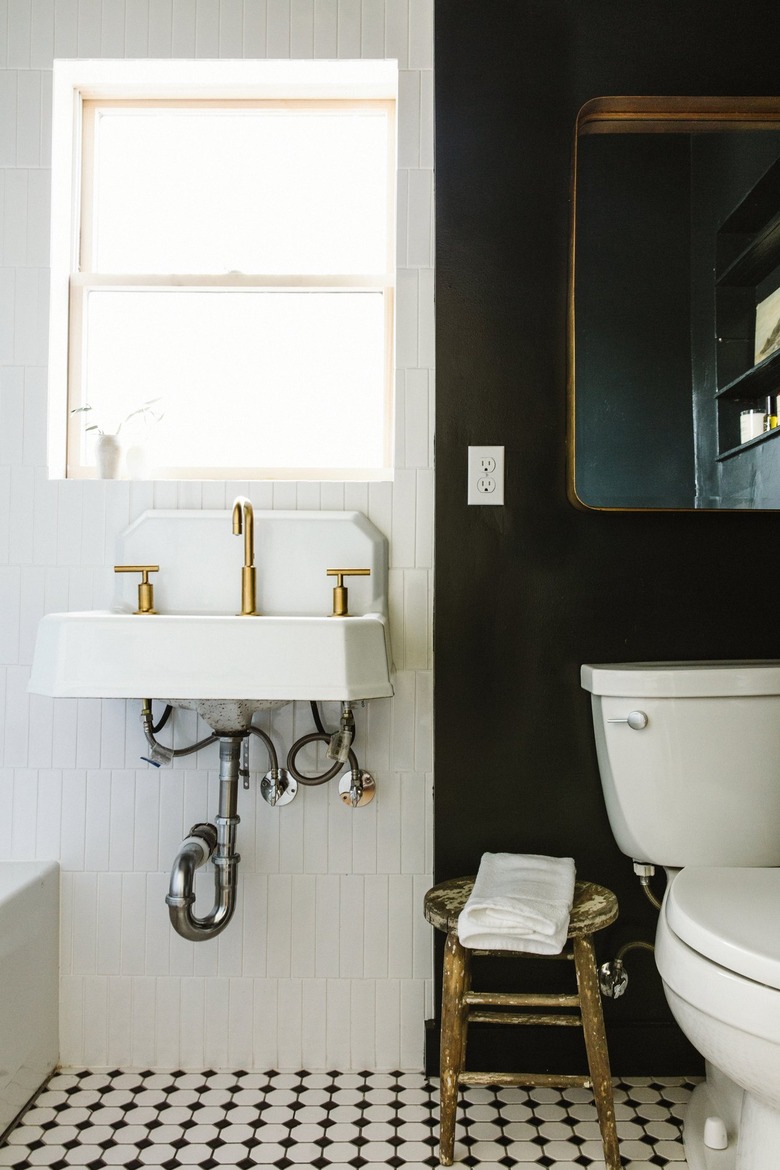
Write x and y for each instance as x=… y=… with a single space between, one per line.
x=109 y=654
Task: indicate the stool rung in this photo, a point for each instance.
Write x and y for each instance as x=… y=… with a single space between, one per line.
x=520 y=999
x=524 y=1018
x=520 y=1080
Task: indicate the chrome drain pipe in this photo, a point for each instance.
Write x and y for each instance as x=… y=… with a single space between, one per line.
x=215 y=842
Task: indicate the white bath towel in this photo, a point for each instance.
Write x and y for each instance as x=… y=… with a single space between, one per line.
x=520 y=902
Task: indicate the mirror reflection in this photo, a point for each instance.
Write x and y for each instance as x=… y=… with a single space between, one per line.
x=675 y=305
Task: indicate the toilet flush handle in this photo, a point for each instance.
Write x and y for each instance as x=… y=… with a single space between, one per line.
x=636 y=720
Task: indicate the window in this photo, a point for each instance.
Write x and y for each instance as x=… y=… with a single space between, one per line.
x=223 y=250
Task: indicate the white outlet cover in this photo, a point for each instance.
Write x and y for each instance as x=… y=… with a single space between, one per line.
x=485 y=487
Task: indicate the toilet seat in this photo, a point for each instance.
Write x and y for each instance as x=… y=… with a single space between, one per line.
x=730 y=916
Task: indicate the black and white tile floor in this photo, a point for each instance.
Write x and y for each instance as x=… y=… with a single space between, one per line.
x=330 y=1121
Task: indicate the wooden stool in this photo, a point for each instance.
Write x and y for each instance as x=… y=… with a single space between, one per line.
x=594 y=908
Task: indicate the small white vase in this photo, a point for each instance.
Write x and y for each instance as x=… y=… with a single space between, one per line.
x=109 y=454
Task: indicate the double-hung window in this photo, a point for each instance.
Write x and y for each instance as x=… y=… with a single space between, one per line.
x=223 y=263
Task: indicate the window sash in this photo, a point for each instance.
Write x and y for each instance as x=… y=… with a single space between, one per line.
x=82 y=280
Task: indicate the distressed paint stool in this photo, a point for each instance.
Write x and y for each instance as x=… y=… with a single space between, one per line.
x=594 y=908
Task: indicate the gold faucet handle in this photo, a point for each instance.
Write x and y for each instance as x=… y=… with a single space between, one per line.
x=340 y=595
x=145 y=586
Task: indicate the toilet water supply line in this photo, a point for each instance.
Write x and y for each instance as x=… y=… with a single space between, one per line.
x=613 y=977
x=216 y=842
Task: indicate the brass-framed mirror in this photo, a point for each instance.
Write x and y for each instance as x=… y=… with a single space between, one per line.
x=674 y=304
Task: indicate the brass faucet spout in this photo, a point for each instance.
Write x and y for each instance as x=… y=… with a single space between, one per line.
x=244 y=522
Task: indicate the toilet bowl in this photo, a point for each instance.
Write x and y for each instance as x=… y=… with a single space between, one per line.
x=718 y=954
x=693 y=785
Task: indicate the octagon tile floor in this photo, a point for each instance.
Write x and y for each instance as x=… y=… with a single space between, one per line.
x=83 y=1120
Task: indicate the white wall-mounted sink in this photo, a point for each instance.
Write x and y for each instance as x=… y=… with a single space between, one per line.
x=195 y=649
x=109 y=655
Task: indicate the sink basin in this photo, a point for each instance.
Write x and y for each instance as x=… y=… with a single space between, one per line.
x=105 y=654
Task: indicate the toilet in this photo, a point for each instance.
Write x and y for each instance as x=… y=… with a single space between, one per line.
x=689 y=755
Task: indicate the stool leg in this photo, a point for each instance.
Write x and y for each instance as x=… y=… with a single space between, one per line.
x=596 y=1047
x=453 y=1041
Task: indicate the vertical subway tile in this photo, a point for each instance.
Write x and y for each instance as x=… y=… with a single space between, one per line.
x=183 y=28
x=217 y=1018
x=158 y=927
x=25 y=805
x=161 y=28
x=96 y=839
x=363 y=1009
x=240 y=1012
x=112 y=29
x=301 y=28
x=89 y=20
x=72 y=1020
x=17 y=716
x=254 y=915
x=34 y=429
x=74 y=788
x=375 y=926
x=254 y=28
x=351 y=911
x=168 y=1022
x=120 y=1020
x=84 y=923
x=265 y=1023
x=231 y=28
x=403 y=720
x=397 y=31
x=8 y=103
x=424 y=533
x=399 y=947
x=420 y=226
x=326 y=927
x=388 y=847
x=411 y=1034
x=426 y=119
x=15 y=210
x=290 y=1037
x=19 y=30
x=12 y=407
x=133 y=926
x=408 y=118
x=10 y=605
x=364 y=831
x=423 y=742
x=278 y=28
x=426 y=322
x=279 y=929
x=387 y=1027
x=95 y=1021
x=406 y=318
x=416 y=419
x=302 y=941
x=137 y=28
x=338 y=1022
x=146 y=819
x=109 y=916
x=403 y=518
x=7 y=290
x=121 y=821
x=144 y=1014
x=413 y=819
x=422 y=942
x=314 y=1043
x=207 y=28
x=417 y=635
x=326 y=28
x=349 y=16
x=372 y=29
x=421 y=34
x=48 y=827
x=88 y=731
x=64 y=733
x=192 y=1023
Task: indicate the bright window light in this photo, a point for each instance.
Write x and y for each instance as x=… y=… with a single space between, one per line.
x=232 y=262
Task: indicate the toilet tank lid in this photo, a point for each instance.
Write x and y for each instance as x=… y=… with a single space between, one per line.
x=682 y=679
x=729 y=916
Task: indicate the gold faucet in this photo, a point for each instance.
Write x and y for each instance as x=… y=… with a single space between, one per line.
x=244 y=521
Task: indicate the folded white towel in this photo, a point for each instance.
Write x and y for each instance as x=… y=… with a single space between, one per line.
x=520 y=902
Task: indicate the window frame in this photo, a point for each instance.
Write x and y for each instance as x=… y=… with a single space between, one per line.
x=82 y=90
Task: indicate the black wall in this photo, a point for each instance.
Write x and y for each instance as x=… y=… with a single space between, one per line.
x=527 y=592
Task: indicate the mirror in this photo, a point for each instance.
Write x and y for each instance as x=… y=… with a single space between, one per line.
x=674 y=310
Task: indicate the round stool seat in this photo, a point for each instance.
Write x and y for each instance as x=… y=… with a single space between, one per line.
x=594 y=906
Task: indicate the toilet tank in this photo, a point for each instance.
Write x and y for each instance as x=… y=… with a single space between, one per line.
x=699 y=783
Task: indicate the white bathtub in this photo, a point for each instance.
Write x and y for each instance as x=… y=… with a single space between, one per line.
x=29 y=972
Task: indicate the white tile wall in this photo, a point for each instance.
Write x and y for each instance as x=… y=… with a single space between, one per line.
x=328 y=962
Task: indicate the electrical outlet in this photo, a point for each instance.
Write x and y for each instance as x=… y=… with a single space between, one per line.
x=485 y=475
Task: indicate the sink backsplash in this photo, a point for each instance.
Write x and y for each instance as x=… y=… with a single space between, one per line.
x=200 y=561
